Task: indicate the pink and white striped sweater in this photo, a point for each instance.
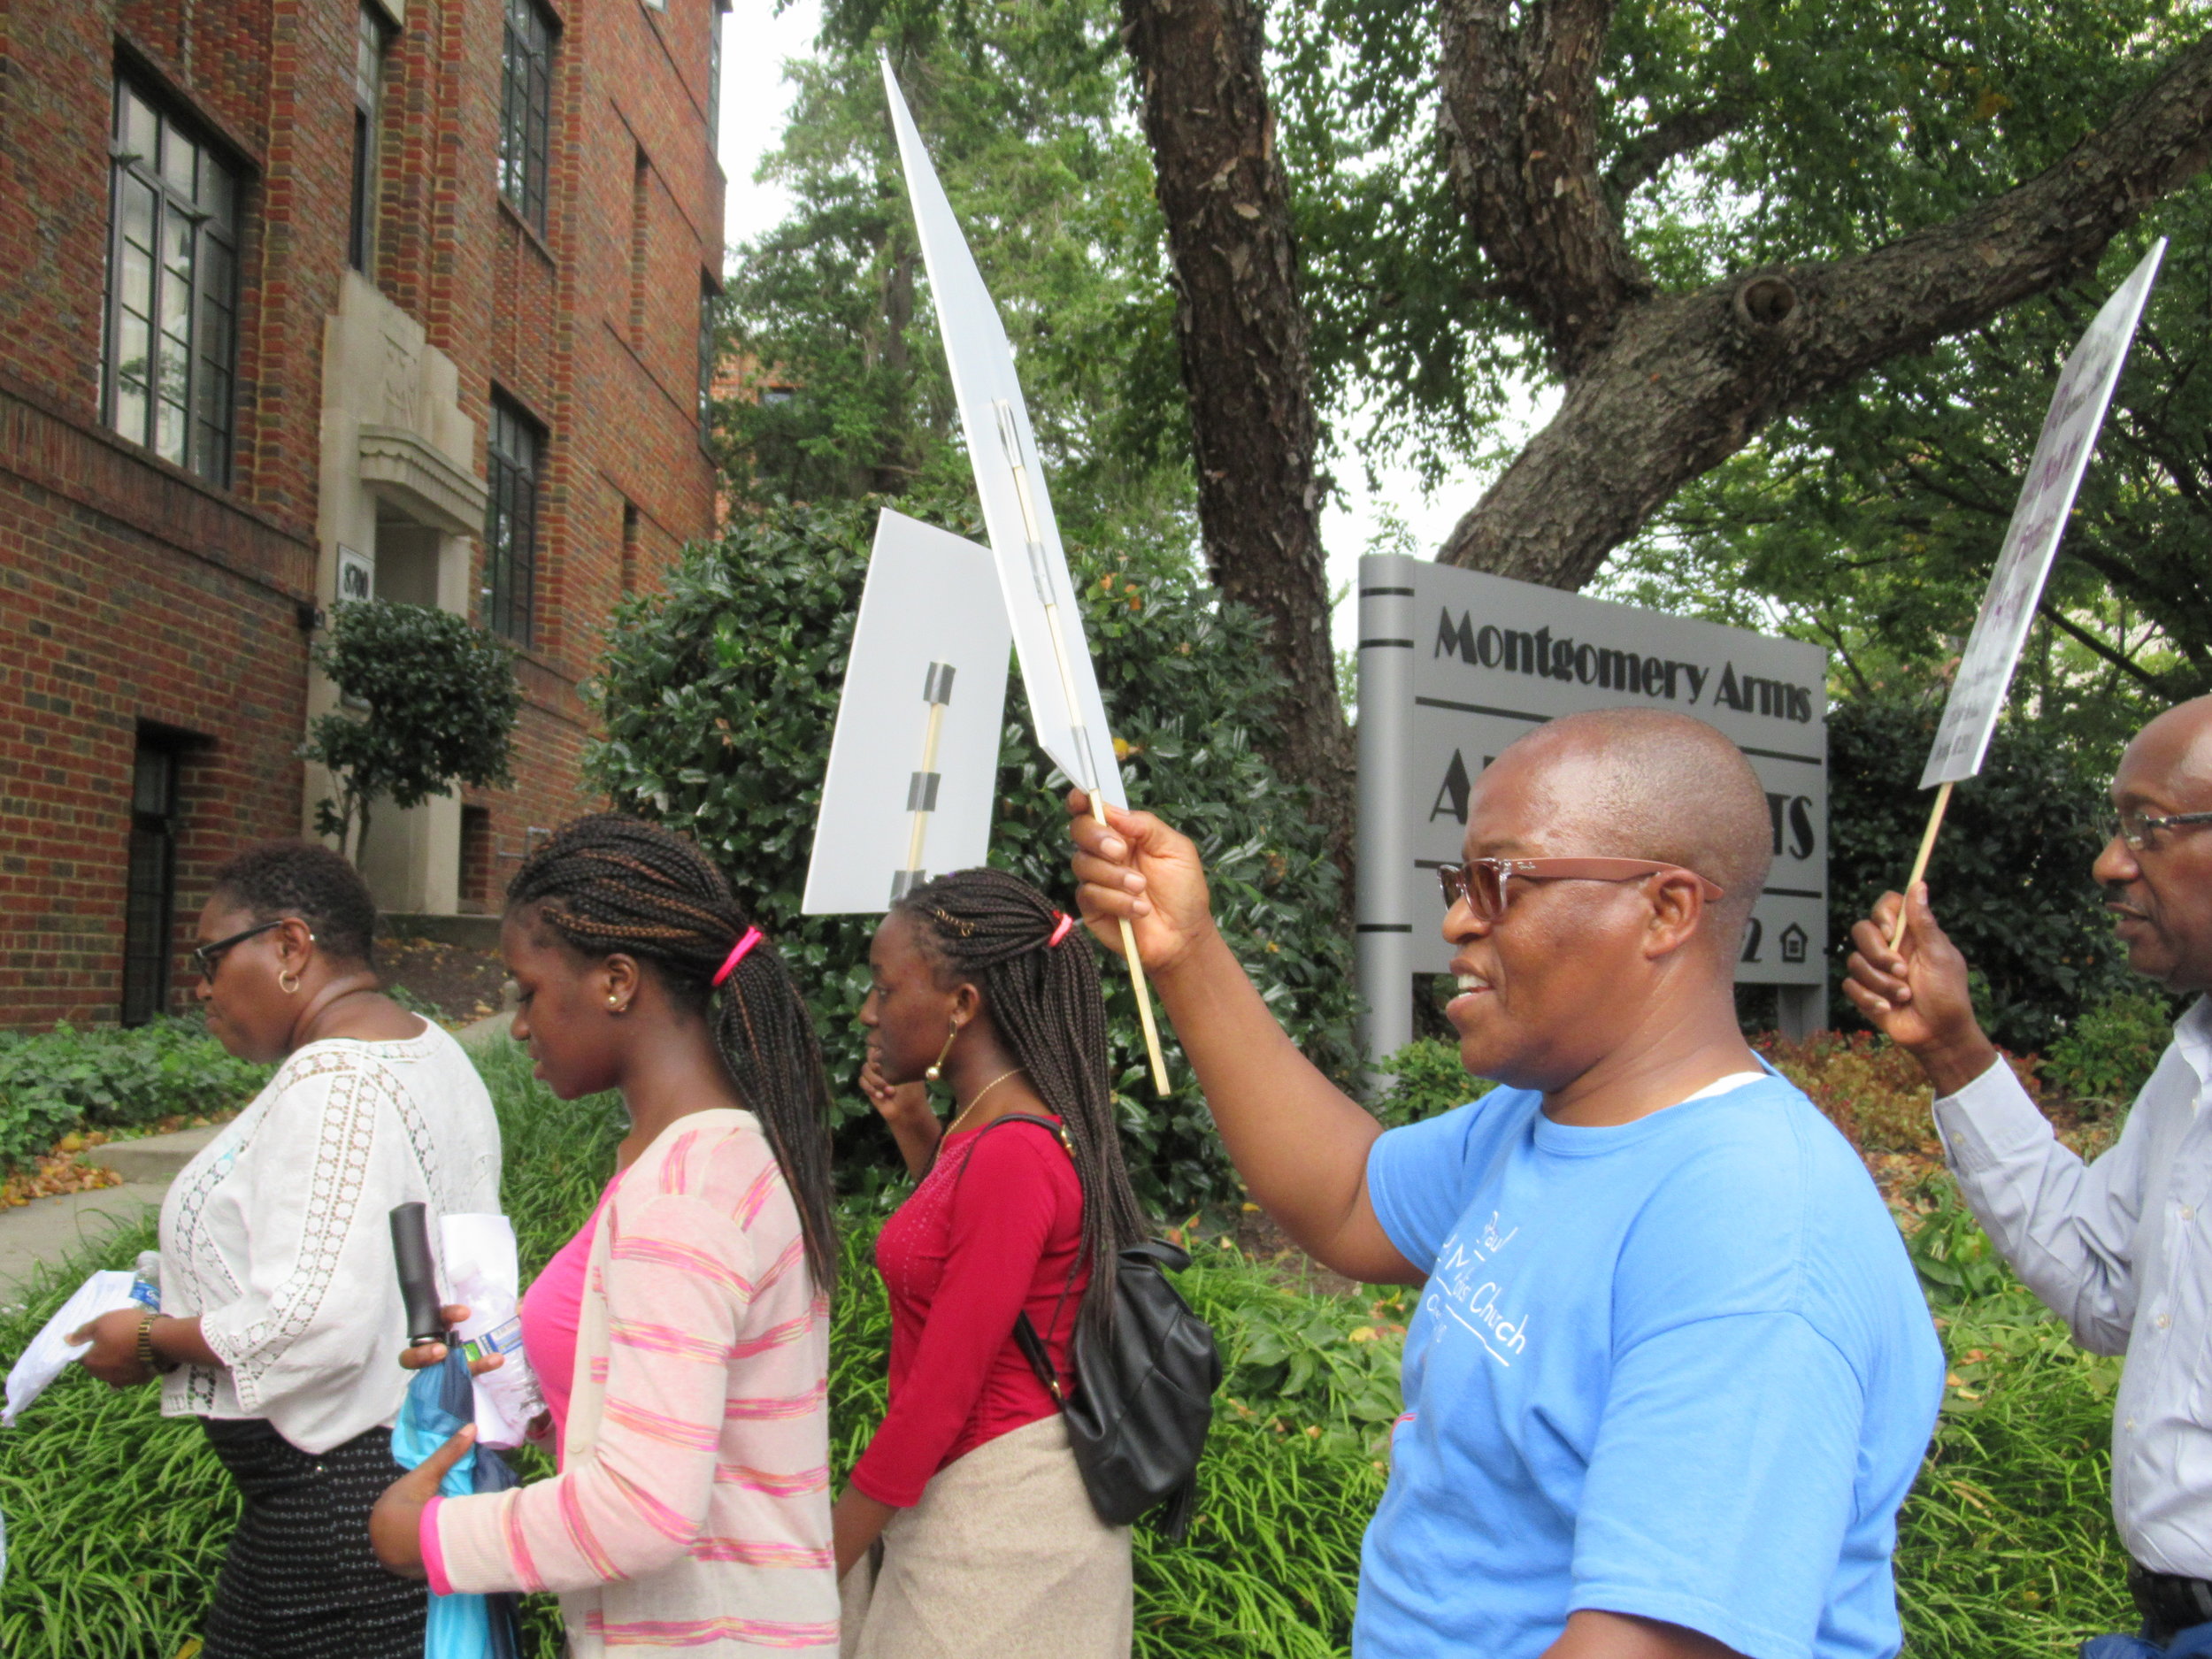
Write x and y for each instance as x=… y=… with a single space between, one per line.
x=692 y=1509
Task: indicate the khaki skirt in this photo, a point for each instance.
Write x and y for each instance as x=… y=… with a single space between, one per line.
x=1003 y=1558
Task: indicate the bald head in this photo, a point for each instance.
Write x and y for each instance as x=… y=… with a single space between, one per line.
x=1644 y=783
x=2178 y=748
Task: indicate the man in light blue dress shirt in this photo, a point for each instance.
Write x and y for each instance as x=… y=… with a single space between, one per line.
x=2120 y=1248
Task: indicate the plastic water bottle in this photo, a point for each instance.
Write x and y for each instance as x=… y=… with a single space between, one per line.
x=146 y=1284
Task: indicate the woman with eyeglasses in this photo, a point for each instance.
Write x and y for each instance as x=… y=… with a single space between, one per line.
x=280 y=1304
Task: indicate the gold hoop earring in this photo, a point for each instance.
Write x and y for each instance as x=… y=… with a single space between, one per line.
x=936 y=1068
x=289 y=982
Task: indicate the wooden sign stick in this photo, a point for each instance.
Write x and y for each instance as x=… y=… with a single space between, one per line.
x=921 y=791
x=1082 y=745
x=1920 y=862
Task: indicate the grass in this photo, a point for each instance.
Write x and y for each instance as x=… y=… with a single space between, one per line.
x=116 y=1519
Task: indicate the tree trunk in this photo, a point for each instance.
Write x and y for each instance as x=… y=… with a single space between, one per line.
x=1663 y=387
x=1241 y=328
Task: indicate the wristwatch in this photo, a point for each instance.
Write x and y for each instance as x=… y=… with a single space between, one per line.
x=147 y=1358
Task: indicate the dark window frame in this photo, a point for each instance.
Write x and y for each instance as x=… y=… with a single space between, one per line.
x=514 y=463
x=707 y=355
x=173 y=221
x=525 y=108
x=150 y=876
x=372 y=39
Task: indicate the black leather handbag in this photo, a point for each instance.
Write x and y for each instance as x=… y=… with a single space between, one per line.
x=1143 y=1398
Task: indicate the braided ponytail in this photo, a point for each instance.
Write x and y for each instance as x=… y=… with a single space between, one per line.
x=1040 y=980
x=609 y=883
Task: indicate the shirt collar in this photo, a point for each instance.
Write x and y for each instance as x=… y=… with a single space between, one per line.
x=2192 y=1035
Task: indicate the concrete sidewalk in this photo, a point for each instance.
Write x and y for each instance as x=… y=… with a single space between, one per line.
x=47 y=1229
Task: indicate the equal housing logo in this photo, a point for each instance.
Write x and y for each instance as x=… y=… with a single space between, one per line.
x=1548 y=656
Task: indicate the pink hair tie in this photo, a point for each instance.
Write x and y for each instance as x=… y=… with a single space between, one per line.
x=752 y=937
x=1060 y=928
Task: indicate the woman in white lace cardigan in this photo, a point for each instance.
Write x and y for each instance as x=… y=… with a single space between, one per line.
x=280 y=1305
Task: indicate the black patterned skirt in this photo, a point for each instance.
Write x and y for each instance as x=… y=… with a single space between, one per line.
x=300 y=1581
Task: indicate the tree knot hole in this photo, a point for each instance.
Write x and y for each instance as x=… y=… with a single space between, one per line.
x=1766 y=301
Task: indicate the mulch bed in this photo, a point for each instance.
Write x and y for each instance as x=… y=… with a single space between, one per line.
x=461 y=984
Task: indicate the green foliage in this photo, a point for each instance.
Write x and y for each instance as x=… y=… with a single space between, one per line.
x=1426 y=1080
x=2111 y=1051
x=1839 y=129
x=118 y=1518
x=2009 y=881
x=54 y=1082
x=440 y=704
x=1021 y=108
x=718 y=697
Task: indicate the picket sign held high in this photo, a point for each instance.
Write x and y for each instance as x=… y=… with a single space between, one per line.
x=2023 y=563
x=1064 y=705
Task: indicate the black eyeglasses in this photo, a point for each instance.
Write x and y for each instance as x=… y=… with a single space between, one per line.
x=2138 y=829
x=210 y=956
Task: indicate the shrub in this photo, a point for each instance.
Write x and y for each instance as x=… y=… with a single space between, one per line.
x=438 y=699
x=1426 y=1080
x=2009 y=880
x=718 y=696
x=2109 y=1053
x=1868 y=1087
x=56 y=1081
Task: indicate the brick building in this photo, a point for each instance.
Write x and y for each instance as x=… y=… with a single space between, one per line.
x=303 y=299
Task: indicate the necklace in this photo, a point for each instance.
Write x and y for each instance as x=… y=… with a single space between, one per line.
x=976 y=1100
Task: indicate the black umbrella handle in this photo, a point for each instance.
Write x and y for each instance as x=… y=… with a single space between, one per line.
x=418 y=1277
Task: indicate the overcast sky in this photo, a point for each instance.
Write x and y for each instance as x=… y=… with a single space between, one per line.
x=756 y=99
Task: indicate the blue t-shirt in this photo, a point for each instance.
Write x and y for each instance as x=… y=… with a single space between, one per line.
x=1679 y=1367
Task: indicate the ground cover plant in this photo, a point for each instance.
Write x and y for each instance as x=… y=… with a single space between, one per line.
x=118 y=1518
x=53 y=1082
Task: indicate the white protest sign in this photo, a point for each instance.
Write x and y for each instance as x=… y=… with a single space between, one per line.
x=913 y=764
x=1055 y=660
x=1454 y=665
x=2062 y=455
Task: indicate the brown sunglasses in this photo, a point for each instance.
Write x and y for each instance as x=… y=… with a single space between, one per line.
x=1481 y=882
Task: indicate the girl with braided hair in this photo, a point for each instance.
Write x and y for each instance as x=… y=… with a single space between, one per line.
x=682 y=1337
x=989 y=1544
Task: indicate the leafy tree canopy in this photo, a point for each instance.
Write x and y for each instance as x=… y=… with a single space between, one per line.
x=1019 y=106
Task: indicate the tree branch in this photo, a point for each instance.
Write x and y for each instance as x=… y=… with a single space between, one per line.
x=2124 y=663
x=1683 y=381
x=1643 y=156
x=1518 y=119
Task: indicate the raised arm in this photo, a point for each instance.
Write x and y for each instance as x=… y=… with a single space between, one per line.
x=1299 y=1141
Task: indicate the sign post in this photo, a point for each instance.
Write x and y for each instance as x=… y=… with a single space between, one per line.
x=1454 y=665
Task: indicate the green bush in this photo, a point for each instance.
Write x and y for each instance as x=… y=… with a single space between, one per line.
x=2109 y=1053
x=1426 y=1080
x=2009 y=880
x=56 y=1081
x=719 y=697
x=118 y=1518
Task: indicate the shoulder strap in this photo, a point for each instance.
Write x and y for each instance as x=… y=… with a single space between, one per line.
x=1025 y=1338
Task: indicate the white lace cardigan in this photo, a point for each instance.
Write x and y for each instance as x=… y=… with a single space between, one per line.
x=277 y=1234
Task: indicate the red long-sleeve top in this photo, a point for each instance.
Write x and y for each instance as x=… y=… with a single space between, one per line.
x=961 y=1258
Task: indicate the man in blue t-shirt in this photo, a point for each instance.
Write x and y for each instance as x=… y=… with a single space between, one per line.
x=1672 y=1374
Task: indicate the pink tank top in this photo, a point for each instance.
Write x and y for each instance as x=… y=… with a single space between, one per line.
x=551 y=1309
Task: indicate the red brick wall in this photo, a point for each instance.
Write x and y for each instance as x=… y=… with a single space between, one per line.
x=135 y=594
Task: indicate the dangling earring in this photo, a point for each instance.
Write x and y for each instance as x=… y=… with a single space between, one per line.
x=289 y=982
x=936 y=1068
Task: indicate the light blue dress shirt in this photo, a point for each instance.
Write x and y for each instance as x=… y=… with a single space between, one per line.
x=2119 y=1249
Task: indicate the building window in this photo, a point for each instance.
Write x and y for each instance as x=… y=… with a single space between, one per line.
x=526 y=109
x=171 y=300
x=149 y=916
x=511 y=529
x=707 y=355
x=371 y=37
x=714 y=76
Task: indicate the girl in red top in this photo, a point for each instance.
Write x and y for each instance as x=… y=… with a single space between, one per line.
x=989 y=1543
